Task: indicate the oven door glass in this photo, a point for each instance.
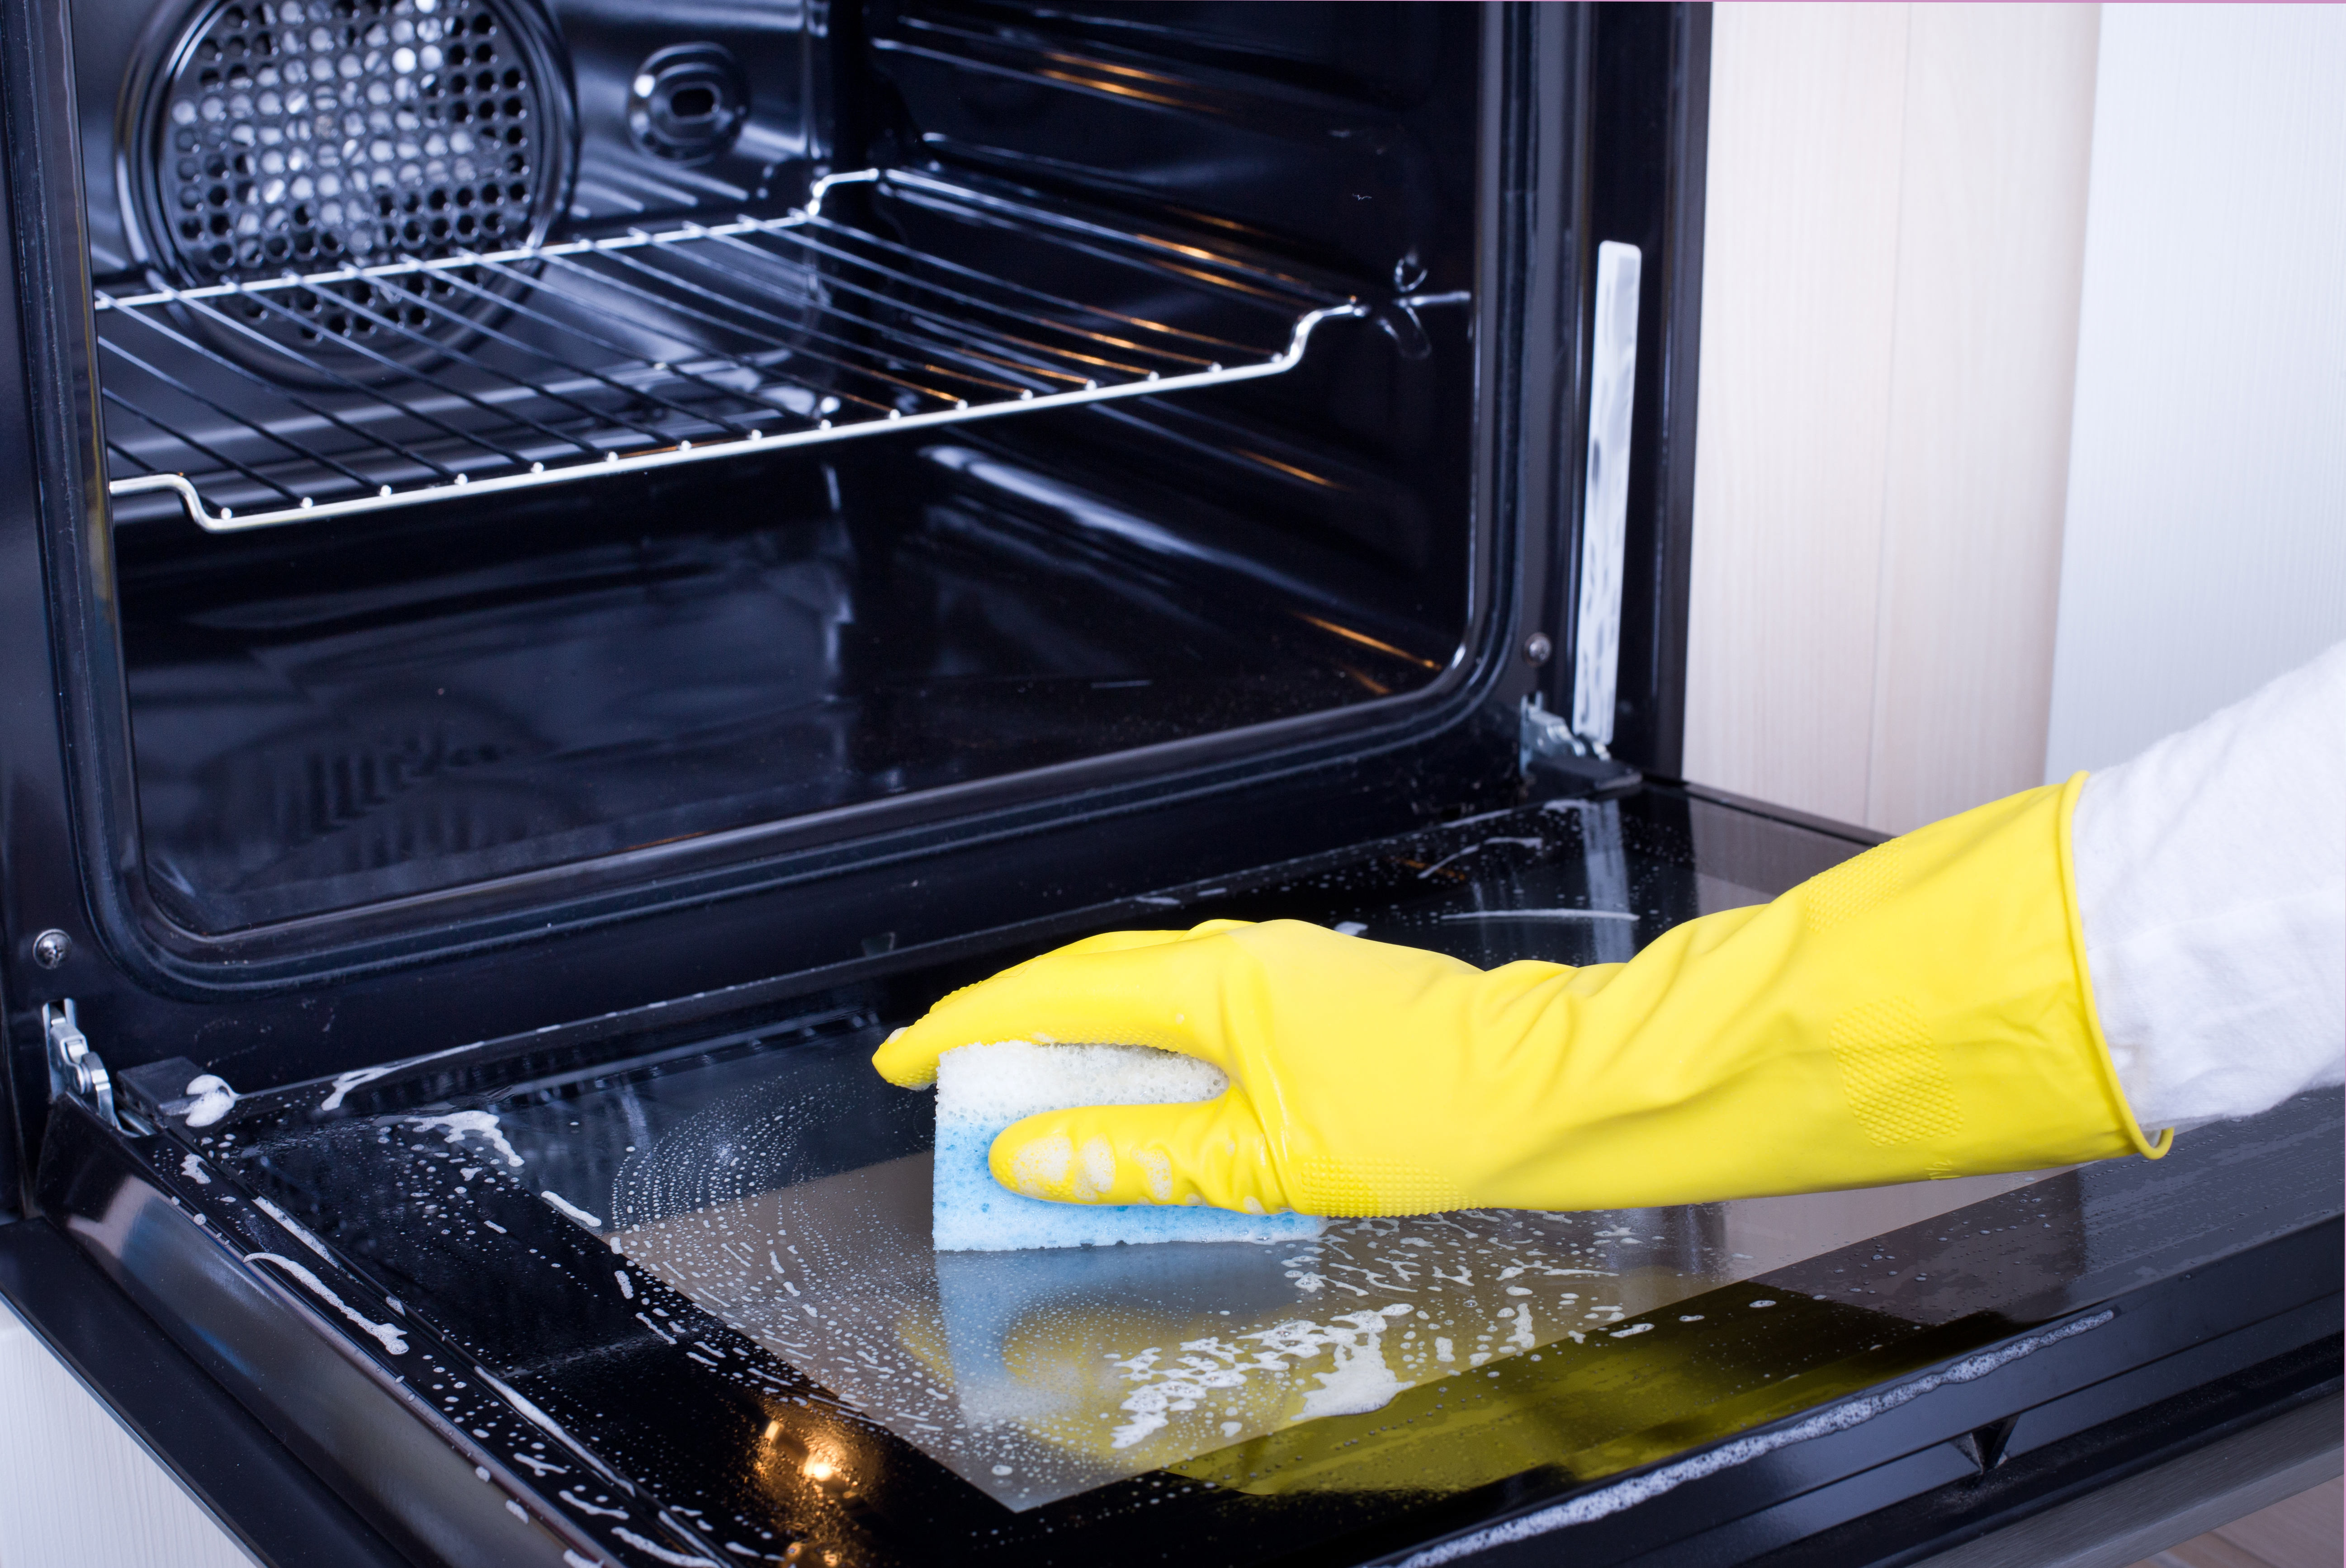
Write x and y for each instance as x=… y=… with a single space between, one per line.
x=690 y=1287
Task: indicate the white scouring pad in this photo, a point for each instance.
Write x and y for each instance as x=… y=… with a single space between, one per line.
x=982 y=1089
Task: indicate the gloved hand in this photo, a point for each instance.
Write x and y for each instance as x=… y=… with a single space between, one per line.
x=1920 y=1011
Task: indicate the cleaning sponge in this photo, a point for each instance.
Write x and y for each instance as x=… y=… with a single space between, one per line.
x=982 y=1089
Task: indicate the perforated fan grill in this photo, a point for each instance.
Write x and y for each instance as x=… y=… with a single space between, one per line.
x=297 y=134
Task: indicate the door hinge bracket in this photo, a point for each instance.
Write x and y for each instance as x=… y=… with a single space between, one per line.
x=1545 y=733
x=73 y=1068
x=1556 y=761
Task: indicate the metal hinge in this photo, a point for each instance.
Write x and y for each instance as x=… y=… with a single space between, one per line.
x=74 y=1067
x=1545 y=734
x=1559 y=764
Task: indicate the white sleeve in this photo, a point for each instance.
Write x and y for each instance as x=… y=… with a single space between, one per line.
x=2212 y=885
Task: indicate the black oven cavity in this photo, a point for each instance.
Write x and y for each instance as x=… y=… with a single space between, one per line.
x=539 y=436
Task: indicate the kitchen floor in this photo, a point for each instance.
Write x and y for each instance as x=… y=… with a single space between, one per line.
x=2301 y=1532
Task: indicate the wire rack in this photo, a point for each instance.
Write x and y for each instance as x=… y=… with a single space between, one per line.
x=332 y=393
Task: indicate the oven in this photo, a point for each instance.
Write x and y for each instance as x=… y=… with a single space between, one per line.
x=570 y=566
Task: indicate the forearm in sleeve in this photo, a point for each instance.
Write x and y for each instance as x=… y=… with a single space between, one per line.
x=2211 y=888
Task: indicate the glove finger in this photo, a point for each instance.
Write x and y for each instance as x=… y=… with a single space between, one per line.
x=1109 y=989
x=1211 y=1152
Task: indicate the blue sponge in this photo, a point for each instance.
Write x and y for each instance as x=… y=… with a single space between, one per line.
x=982 y=1089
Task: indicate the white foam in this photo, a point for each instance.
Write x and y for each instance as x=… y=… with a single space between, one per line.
x=1001 y=1083
x=1361 y=1381
x=654 y=1548
x=345 y=1081
x=387 y=1334
x=982 y=1089
x=214 y=1099
x=459 y=1123
x=590 y=1221
x=295 y=1228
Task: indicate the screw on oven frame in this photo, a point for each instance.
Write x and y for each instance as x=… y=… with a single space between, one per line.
x=52 y=948
x=1536 y=649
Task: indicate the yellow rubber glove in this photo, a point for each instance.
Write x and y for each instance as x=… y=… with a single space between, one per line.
x=1920 y=1011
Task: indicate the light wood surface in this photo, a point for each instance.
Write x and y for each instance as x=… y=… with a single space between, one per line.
x=1800 y=272
x=76 y=1489
x=1892 y=255
x=2305 y=1531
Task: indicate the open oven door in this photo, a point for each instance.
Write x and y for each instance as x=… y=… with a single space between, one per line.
x=657 y=1287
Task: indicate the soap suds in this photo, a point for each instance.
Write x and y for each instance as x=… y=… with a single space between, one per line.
x=345 y=1081
x=1477 y=848
x=388 y=1334
x=547 y=1425
x=192 y=1168
x=1358 y=1381
x=213 y=1100
x=293 y=1228
x=1361 y=1381
x=653 y=1549
x=572 y=1209
x=480 y=1123
x=583 y=1506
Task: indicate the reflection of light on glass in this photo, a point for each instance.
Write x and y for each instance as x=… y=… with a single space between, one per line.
x=1304 y=474
x=823 y=1463
x=1115 y=88
x=778 y=1453
x=1367 y=641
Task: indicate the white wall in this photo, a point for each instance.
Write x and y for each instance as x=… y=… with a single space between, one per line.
x=2206 y=546
x=1891 y=256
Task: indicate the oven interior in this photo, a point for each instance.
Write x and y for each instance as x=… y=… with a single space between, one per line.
x=535 y=435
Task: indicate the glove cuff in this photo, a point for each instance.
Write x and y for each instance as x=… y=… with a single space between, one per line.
x=2065 y=825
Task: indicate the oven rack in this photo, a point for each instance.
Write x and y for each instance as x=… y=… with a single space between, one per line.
x=556 y=364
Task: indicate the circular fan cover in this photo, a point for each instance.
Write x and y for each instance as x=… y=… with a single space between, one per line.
x=304 y=135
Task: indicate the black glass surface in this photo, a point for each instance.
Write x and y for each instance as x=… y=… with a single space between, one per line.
x=461 y=1209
